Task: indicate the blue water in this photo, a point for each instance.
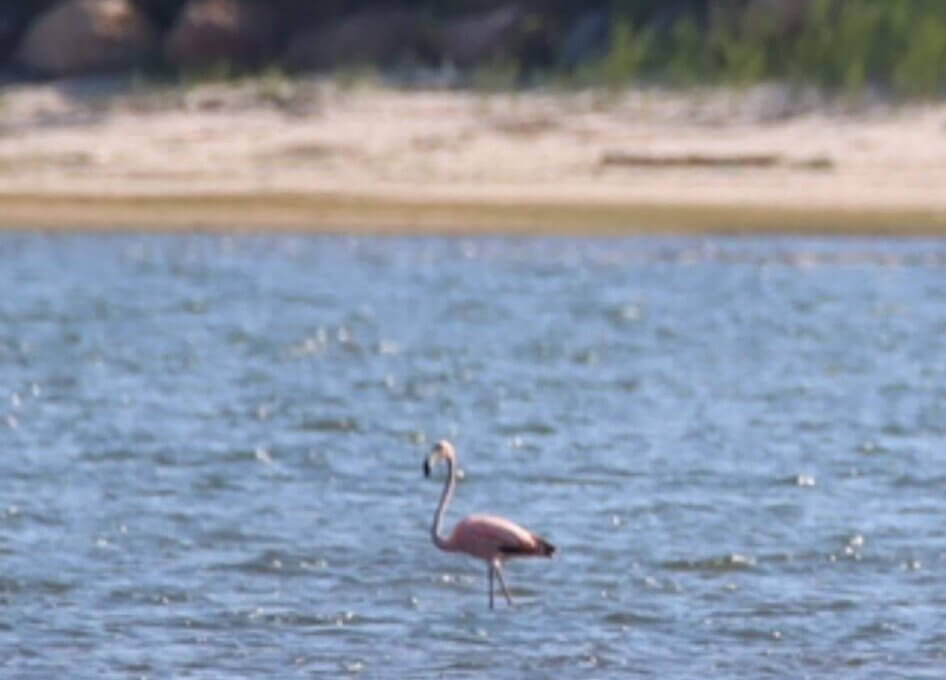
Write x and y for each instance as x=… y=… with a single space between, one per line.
x=211 y=447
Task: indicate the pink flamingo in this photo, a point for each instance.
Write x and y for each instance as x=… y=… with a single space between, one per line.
x=487 y=537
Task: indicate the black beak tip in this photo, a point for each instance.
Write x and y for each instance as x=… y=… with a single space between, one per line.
x=426 y=468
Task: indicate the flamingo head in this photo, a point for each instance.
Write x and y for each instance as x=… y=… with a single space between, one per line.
x=441 y=450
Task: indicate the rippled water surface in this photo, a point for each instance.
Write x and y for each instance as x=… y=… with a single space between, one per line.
x=211 y=456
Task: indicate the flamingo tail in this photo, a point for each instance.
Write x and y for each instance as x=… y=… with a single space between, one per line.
x=542 y=548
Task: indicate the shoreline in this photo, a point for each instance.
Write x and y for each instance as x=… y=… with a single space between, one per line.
x=372 y=215
x=323 y=158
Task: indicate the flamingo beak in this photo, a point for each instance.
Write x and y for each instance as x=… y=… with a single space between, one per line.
x=427 y=467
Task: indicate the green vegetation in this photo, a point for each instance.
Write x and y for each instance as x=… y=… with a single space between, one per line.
x=496 y=76
x=841 y=45
x=898 y=45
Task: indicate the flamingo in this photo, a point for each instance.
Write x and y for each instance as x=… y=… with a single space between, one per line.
x=488 y=537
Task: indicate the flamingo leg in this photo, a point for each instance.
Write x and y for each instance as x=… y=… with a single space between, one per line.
x=502 y=582
x=489 y=570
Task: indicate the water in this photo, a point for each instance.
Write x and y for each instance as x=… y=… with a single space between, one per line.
x=211 y=456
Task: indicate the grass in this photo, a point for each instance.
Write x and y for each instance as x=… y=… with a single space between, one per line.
x=502 y=75
x=275 y=86
x=846 y=45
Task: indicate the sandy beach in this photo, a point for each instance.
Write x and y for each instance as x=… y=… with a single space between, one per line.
x=317 y=155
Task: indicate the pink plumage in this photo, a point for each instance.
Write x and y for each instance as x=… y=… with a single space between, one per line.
x=488 y=537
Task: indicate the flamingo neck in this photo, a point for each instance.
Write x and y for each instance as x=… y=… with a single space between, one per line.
x=445 y=497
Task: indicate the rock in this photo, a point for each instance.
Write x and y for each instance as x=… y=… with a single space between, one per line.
x=586 y=40
x=83 y=36
x=495 y=35
x=372 y=36
x=14 y=19
x=9 y=31
x=228 y=31
x=162 y=12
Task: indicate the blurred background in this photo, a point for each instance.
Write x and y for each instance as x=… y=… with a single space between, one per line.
x=813 y=115
x=895 y=45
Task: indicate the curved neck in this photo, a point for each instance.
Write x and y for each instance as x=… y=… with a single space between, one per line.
x=448 y=487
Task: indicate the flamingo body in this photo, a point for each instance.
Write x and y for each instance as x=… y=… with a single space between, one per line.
x=490 y=538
